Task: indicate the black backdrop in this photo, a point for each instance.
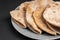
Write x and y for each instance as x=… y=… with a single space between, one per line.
x=7 y=32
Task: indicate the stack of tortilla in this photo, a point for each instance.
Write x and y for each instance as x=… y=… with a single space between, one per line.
x=38 y=16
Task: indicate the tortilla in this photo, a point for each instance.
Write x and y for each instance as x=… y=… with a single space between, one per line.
x=52 y=14
x=39 y=18
x=19 y=15
x=30 y=20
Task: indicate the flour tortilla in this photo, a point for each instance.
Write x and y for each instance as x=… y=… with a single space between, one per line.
x=39 y=19
x=52 y=14
x=30 y=20
x=19 y=14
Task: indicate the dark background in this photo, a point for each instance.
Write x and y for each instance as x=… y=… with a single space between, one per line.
x=7 y=32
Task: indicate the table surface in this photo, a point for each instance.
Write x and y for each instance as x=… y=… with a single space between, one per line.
x=7 y=32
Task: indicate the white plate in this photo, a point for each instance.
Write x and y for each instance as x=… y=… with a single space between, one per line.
x=30 y=34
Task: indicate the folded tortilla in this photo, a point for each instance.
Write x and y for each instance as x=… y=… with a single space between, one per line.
x=39 y=18
x=30 y=20
x=19 y=14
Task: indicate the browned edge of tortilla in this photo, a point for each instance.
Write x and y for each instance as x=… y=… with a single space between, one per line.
x=18 y=23
x=52 y=27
